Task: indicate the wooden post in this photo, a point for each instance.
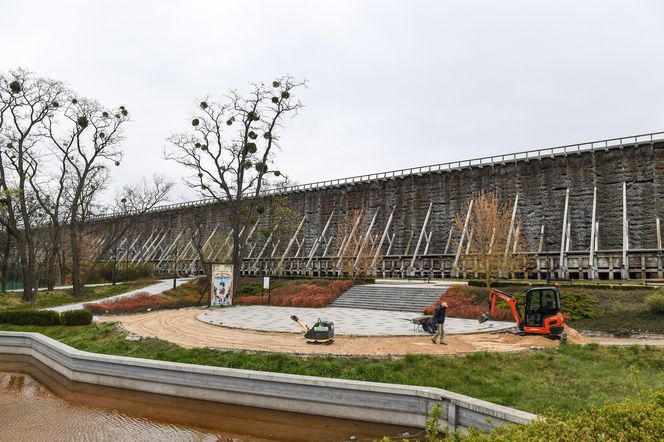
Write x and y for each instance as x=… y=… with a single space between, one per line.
x=422 y=233
x=455 y=266
x=509 y=233
x=382 y=240
x=591 y=256
x=561 y=263
x=624 y=269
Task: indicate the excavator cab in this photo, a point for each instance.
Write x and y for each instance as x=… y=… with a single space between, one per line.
x=542 y=312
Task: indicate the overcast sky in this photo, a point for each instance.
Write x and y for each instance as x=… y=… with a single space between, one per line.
x=391 y=84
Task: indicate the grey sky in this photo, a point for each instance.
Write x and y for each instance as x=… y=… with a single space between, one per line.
x=392 y=84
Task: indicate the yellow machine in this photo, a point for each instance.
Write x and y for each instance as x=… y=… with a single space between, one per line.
x=321 y=333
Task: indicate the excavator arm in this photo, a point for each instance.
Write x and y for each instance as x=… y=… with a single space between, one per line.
x=511 y=301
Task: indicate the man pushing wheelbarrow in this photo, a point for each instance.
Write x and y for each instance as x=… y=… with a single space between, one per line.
x=437 y=322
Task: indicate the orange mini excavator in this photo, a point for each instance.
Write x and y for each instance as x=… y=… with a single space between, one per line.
x=542 y=313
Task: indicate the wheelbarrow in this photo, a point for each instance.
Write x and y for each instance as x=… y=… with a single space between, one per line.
x=421 y=322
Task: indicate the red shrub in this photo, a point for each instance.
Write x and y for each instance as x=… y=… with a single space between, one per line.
x=139 y=302
x=462 y=303
x=301 y=295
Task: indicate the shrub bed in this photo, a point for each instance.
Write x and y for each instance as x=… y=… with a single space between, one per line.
x=139 y=302
x=300 y=295
x=463 y=302
x=622 y=421
x=76 y=317
x=655 y=303
x=30 y=317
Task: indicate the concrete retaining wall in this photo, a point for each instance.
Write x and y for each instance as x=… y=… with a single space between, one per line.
x=365 y=401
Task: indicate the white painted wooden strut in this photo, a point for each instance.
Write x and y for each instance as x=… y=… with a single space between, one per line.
x=516 y=240
x=215 y=251
x=625 y=247
x=541 y=241
x=169 y=248
x=153 y=255
x=493 y=238
x=568 y=236
x=382 y=239
x=391 y=241
x=455 y=265
x=142 y=248
x=427 y=237
x=561 y=263
x=342 y=250
x=365 y=239
x=659 y=234
x=145 y=251
x=290 y=243
x=153 y=247
x=591 y=256
x=470 y=239
x=274 y=250
x=511 y=230
x=319 y=239
x=422 y=233
x=267 y=242
x=449 y=239
x=131 y=247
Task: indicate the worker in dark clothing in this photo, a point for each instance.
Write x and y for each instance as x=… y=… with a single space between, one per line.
x=438 y=321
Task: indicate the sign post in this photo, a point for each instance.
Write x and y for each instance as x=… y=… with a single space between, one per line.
x=266 y=286
x=221 y=287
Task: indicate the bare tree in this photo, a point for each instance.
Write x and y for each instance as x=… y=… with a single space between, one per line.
x=87 y=140
x=132 y=201
x=232 y=147
x=492 y=239
x=25 y=102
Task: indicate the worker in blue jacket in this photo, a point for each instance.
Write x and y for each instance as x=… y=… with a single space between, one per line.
x=438 y=321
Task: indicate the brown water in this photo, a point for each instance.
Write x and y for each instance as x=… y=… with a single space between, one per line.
x=43 y=406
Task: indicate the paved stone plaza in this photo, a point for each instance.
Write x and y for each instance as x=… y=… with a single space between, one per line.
x=347 y=321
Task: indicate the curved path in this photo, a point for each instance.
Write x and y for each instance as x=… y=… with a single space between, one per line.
x=153 y=289
x=181 y=327
x=347 y=321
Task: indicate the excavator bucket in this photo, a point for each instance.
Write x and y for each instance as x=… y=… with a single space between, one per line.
x=484 y=317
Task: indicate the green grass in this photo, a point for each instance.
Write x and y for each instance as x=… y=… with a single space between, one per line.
x=564 y=380
x=62 y=297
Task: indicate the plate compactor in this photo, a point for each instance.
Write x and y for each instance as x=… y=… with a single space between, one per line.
x=321 y=333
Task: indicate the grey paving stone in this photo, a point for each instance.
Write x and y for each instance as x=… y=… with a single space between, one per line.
x=347 y=321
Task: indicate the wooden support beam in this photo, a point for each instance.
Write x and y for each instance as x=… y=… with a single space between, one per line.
x=455 y=265
x=591 y=257
x=318 y=242
x=512 y=221
x=624 y=268
x=384 y=236
x=365 y=239
x=290 y=243
x=562 y=270
x=422 y=233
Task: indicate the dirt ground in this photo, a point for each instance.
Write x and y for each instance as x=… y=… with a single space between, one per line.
x=181 y=327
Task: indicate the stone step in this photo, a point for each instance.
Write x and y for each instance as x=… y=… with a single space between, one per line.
x=394 y=298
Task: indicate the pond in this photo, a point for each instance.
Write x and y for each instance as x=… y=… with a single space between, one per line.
x=37 y=404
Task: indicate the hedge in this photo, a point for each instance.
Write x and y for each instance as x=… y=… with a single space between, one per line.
x=45 y=317
x=76 y=317
x=30 y=317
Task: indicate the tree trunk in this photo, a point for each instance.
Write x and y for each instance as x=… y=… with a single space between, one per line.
x=75 y=261
x=5 y=263
x=50 y=269
x=237 y=255
x=28 y=275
